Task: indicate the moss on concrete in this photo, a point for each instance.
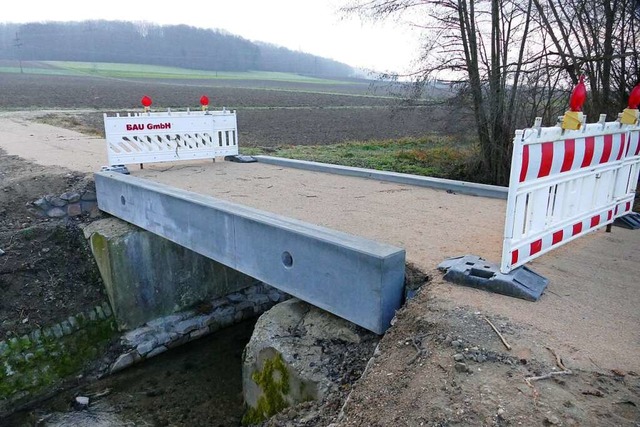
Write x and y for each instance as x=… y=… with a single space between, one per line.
x=273 y=380
x=29 y=367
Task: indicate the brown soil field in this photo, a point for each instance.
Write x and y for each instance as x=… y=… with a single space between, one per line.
x=278 y=113
x=23 y=91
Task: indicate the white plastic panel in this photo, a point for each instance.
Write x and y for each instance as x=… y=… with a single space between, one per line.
x=170 y=136
x=565 y=184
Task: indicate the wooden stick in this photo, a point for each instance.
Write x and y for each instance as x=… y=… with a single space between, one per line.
x=504 y=341
x=547 y=376
x=419 y=350
x=558 y=359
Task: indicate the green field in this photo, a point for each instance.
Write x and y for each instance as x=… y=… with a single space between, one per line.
x=132 y=71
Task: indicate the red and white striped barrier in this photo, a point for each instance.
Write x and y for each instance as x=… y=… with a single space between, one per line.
x=565 y=184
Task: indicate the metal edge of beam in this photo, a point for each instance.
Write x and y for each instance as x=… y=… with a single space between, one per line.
x=352 y=277
x=462 y=187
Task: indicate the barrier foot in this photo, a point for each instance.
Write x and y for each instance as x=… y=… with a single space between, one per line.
x=473 y=271
x=239 y=158
x=116 y=168
x=630 y=221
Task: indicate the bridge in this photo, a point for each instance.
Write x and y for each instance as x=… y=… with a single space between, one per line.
x=590 y=305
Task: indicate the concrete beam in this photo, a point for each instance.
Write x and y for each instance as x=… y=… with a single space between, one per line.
x=462 y=187
x=354 y=278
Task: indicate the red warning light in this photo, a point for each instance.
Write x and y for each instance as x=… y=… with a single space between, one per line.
x=578 y=96
x=204 y=100
x=146 y=101
x=634 y=97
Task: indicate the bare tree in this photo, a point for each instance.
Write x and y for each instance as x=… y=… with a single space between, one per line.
x=598 y=38
x=484 y=43
x=518 y=59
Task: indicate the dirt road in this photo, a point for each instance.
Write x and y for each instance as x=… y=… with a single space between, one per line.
x=589 y=316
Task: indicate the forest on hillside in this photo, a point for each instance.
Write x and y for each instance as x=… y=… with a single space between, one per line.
x=146 y=43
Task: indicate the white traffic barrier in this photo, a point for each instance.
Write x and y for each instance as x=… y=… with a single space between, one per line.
x=163 y=137
x=565 y=184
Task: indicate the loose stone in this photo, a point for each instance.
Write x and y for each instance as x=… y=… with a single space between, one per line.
x=70 y=197
x=124 y=361
x=66 y=327
x=146 y=347
x=462 y=367
x=82 y=402
x=55 y=201
x=236 y=297
x=56 y=213
x=57 y=331
x=156 y=351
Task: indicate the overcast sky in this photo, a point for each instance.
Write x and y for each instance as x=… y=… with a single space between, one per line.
x=315 y=27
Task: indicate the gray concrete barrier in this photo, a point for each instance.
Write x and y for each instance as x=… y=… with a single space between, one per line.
x=462 y=187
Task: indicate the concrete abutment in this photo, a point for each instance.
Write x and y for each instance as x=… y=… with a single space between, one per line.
x=147 y=276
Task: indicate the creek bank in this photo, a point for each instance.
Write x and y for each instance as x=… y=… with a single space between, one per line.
x=35 y=363
x=87 y=347
x=49 y=340
x=196 y=384
x=163 y=333
x=56 y=325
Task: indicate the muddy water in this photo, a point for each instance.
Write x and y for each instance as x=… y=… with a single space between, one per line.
x=198 y=384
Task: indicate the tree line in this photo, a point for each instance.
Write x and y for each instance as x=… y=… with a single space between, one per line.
x=145 y=43
x=515 y=60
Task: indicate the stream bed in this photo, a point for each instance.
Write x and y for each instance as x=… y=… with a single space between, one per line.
x=197 y=384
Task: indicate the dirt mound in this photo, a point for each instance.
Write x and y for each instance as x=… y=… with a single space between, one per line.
x=47 y=272
x=443 y=364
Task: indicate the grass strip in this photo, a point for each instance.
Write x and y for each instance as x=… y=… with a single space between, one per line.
x=433 y=155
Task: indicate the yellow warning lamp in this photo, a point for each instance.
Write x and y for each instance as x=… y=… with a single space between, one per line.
x=630 y=115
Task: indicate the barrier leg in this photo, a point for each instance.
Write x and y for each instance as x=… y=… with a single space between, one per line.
x=629 y=221
x=473 y=271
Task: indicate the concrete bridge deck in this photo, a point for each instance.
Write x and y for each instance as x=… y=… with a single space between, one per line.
x=429 y=224
x=590 y=309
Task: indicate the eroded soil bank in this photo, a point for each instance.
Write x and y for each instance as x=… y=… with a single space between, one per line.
x=47 y=274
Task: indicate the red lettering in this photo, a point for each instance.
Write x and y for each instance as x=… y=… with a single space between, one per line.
x=159 y=126
x=134 y=126
x=149 y=126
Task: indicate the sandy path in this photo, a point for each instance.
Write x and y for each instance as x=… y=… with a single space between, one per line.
x=49 y=145
x=589 y=313
x=415 y=218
